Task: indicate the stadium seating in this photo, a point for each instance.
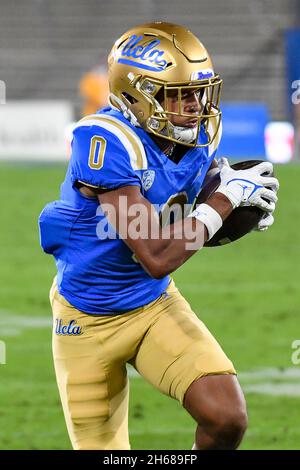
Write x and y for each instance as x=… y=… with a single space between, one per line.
x=46 y=46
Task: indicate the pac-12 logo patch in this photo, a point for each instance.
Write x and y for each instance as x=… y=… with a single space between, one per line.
x=70 y=329
x=148 y=179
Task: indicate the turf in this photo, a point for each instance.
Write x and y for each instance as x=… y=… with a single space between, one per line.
x=246 y=293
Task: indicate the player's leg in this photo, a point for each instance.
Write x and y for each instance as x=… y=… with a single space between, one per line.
x=217 y=403
x=92 y=384
x=181 y=358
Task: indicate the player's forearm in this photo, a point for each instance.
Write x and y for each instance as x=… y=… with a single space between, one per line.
x=174 y=248
x=179 y=241
x=159 y=250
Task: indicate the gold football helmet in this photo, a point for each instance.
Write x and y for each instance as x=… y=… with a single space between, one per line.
x=153 y=63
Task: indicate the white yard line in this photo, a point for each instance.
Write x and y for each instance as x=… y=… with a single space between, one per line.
x=13 y=324
x=270 y=373
x=274 y=389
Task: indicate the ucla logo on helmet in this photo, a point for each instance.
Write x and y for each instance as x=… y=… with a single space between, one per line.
x=148 y=179
x=144 y=56
x=67 y=330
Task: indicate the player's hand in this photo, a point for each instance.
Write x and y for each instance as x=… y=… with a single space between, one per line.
x=265 y=222
x=251 y=187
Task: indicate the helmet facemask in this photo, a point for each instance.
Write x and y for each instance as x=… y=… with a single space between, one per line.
x=156 y=96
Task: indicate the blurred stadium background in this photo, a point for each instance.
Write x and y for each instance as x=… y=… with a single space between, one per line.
x=247 y=293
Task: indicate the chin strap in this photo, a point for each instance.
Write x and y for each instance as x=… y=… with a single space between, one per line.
x=123 y=108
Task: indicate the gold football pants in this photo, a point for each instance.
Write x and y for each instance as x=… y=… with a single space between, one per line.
x=165 y=342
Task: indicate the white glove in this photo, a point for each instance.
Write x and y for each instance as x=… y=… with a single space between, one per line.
x=248 y=187
x=265 y=222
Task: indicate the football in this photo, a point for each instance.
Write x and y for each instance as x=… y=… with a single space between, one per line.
x=242 y=219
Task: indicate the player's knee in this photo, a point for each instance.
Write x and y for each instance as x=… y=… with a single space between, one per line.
x=218 y=405
x=228 y=428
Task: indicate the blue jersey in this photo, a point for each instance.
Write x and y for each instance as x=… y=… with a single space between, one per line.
x=96 y=274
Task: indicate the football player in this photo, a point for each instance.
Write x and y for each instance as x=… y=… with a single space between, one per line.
x=113 y=299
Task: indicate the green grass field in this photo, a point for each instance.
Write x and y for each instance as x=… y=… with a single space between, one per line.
x=246 y=293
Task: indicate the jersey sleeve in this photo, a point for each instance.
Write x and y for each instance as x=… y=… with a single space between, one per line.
x=102 y=159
